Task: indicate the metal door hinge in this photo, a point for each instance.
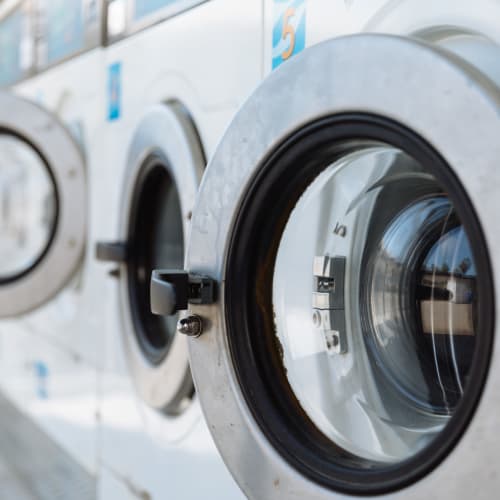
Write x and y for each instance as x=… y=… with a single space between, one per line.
x=172 y=290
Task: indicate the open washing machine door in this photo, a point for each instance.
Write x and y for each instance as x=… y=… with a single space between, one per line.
x=42 y=205
x=165 y=165
x=340 y=277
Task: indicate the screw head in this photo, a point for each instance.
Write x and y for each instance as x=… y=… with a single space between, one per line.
x=192 y=326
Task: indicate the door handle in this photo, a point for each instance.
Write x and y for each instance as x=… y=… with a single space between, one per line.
x=108 y=251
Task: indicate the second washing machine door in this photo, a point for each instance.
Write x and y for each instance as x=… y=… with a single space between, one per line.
x=165 y=165
x=42 y=206
x=341 y=273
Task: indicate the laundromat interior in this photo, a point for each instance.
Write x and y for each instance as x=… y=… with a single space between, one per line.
x=249 y=249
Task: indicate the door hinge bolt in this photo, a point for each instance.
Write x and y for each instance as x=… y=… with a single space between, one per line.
x=191 y=326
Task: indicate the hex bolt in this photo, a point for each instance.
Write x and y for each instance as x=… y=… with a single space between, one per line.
x=191 y=326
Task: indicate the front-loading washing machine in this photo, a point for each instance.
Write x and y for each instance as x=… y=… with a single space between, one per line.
x=347 y=221
x=174 y=80
x=50 y=329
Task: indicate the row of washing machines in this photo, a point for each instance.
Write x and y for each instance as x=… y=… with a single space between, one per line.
x=325 y=325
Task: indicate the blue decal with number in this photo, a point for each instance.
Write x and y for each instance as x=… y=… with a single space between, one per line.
x=114 y=91
x=289 y=29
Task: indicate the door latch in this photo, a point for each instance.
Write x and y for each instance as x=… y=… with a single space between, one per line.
x=172 y=290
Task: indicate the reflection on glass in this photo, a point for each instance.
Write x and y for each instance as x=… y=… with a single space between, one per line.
x=418 y=288
x=27 y=207
x=167 y=245
x=374 y=294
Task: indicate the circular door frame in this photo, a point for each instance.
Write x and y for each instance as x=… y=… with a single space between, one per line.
x=379 y=75
x=167 y=130
x=64 y=160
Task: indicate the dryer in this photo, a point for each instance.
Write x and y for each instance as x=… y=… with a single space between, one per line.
x=50 y=328
x=349 y=349
x=169 y=99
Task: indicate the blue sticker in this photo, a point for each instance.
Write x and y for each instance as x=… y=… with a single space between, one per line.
x=114 y=91
x=41 y=374
x=289 y=29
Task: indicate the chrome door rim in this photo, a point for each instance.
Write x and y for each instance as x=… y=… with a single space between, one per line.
x=53 y=142
x=168 y=130
x=396 y=86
